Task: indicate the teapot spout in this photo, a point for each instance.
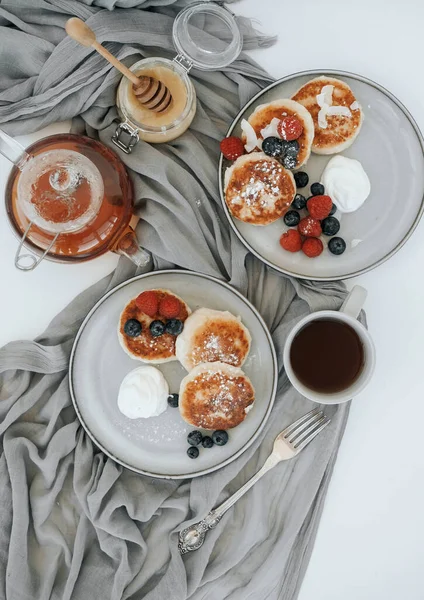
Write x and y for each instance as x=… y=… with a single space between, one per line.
x=128 y=246
x=13 y=150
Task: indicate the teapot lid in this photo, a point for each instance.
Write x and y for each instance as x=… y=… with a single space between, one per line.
x=60 y=191
x=207 y=36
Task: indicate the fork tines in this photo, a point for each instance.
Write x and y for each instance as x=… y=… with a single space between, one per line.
x=303 y=431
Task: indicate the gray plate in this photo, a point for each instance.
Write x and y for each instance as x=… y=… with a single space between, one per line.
x=157 y=446
x=391 y=148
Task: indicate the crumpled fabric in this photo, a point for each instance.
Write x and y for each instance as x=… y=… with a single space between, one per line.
x=74 y=524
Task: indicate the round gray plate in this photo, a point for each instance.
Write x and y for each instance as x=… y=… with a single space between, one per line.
x=390 y=147
x=157 y=446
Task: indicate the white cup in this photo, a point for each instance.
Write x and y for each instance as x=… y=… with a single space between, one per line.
x=347 y=314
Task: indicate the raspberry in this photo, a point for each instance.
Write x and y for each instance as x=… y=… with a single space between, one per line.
x=291 y=240
x=312 y=247
x=148 y=302
x=232 y=147
x=169 y=307
x=319 y=206
x=290 y=128
x=309 y=227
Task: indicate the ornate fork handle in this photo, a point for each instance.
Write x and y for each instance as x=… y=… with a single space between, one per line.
x=192 y=537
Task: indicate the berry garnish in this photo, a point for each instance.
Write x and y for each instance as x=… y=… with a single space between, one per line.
x=301 y=178
x=232 y=147
x=174 y=326
x=291 y=240
x=299 y=202
x=173 y=400
x=289 y=162
x=157 y=328
x=317 y=189
x=337 y=245
x=192 y=452
x=312 y=247
x=291 y=218
x=319 y=206
x=272 y=146
x=330 y=226
x=220 y=437
x=310 y=227
x=194 y=438
x=207 y=441
x=333 y=209
x=290 y=128
x=133 y=328
x=169 y=307
x=147 y=302
x=291 y=148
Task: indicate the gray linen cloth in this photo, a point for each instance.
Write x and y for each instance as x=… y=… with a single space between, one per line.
x=73 y=524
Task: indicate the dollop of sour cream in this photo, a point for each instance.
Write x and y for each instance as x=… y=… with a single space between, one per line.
x=143 y=393
x=346 y=182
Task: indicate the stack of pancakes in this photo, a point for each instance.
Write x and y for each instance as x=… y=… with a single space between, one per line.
x=216 y=393
x=258 y=189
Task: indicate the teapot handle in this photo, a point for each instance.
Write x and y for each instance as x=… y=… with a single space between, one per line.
x=13 y=150
x=128 y=245
x=29 y=261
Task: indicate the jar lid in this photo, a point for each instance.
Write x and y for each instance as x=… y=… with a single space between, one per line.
x=207 y=36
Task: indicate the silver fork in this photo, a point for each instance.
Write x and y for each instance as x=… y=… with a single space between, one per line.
x=286 y=445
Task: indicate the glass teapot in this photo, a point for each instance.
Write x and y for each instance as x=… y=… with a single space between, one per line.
x=69 y=199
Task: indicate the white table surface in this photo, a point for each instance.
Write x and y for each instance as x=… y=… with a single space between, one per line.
x=369 y=542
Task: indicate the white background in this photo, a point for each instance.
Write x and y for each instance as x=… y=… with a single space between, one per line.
x=369 y=545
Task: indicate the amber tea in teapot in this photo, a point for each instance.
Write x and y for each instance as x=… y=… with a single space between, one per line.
x=70 y=198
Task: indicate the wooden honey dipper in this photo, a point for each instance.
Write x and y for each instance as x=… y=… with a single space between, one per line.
x=150 y=92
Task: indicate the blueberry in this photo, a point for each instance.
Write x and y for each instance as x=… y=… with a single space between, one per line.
x=157 y=328
x=292 y=218
x=337 y=245
x=289 y=162
x=299 y=202
x=207 y=441
x=132 y=328
x=173 y=400
x=291 y=148
x=301 y=178
x=220 y=438
x=330 y=226
x=193 y=452
x=272 y=146
x=194 y=438
x=174 y=326
x=317 y=189
x=333 y=209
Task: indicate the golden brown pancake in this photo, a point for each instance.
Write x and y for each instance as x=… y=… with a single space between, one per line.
x=278 y=109
x=258 y=189
x=341 y=131
x=146 y=347
x=215 y=396
x=213 y=336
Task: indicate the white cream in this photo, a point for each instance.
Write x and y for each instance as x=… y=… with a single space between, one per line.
x=143 y=393
x=346 y=182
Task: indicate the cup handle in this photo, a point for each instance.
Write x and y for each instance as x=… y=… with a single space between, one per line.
x=354 y=302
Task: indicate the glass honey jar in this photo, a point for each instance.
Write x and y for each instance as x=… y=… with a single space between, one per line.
x=196 y=48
